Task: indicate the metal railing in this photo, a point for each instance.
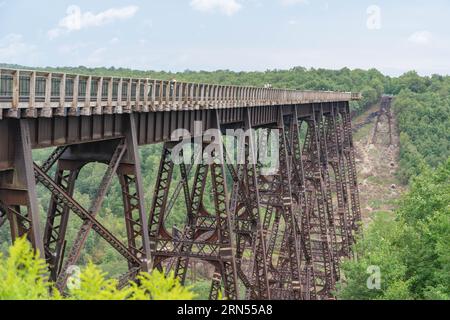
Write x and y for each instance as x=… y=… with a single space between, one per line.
x=60 y=94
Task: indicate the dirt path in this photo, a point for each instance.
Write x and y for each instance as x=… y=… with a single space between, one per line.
x=377 y=165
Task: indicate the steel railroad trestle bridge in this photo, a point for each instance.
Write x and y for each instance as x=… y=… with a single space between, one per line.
x=272 y=237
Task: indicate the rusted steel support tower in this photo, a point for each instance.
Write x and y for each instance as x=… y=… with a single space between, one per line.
x=266 y=233
x=385 y=110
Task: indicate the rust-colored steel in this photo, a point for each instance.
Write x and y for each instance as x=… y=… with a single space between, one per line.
x=303 y=219
x=206 y=236
x=317 y=206
x=385 y=110
x=28 y=93
x=277 y=235
x=57 y=220
x=336 y=161
x=95 y=206
x=18 y=187
x=350 y=164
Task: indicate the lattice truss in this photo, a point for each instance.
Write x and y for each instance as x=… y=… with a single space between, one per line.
x=277 y=236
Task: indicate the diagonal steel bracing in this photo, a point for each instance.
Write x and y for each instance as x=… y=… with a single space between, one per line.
x=61 y=195
x=81 y=237
x=278 y=235
x=302 y=212
x=57 y=220
x=206 y=236
x=316 y=204
x=350 y=165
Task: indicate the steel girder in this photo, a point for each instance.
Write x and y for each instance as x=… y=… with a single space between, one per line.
x=280 y=236
x=385 y=110
x=18 y=198
x=350 y=165
x=121 y=157
x=206 y=236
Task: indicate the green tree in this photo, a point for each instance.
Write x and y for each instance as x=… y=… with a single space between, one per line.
x=412 y=250
x=23 y=276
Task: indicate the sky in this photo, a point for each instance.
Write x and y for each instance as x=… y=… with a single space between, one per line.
x=241 y=35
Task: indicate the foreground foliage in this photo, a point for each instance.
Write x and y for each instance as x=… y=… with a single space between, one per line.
x=23 y=276
x=412 y=250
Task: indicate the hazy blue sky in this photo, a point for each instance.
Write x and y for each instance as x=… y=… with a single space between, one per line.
x=393 y=36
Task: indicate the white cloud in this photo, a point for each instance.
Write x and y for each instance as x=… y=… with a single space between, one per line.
x=293 y=2
x=292 y=22
x=13 y=48
x=421 y=38
x=76 y=20
x=228 y=7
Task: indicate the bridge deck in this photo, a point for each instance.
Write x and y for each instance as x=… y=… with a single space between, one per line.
x=64 y=109
x=25 y=93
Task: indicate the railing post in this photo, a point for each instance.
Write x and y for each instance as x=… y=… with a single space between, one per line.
x=145 y=107
x=153 y=97
x=215 y=98
x=109 y=105
x=206 y=96
x=221 y=96
x=86 y=110
x=197 y=96
x=46 y=112
x=181 y=99
x=73 y=111
x=160 y=95
x=247 y=96
x=238 y=96
x=166 y=96
x=61 y=110
x=119 y=96
x=31 y=111
x=98 y=108
x=175 y=87
x=237 y=91
x=137 y=106
x=127 y=109
x=227 y=96
x=14 y=111
x=253 y=96
x=233 y=96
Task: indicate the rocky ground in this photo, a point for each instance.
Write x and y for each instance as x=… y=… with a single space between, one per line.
x=377 y=165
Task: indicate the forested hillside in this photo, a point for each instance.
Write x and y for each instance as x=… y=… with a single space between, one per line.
x=409 y=252
x=411 y=248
